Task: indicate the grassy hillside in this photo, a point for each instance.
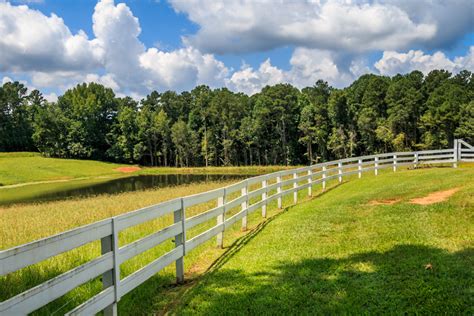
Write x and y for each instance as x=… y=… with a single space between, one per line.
x=26 y=167
x=341 y=253
x=31 y=167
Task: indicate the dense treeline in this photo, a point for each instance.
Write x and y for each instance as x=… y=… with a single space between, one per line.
x=279 y=125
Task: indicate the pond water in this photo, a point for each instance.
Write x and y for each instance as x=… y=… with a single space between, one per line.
x=84 y=188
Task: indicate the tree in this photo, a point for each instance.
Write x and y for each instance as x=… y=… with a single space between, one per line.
x=183 y=139
x=49 y=134
x=404 y=105
x=276 y=111
x=91 y=110
x=123 y=136
x=465 y=130
x=16 y=115
x=442 y=117
x=215 y=127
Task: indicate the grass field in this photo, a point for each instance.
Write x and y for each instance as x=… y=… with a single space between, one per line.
x=27 y=167
x=340 y=255
x=333 y=254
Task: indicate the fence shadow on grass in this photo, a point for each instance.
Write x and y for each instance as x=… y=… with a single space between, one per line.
x=238 y=244
x=405 y=279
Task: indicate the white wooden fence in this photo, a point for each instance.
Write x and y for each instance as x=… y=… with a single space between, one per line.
x=107 y=265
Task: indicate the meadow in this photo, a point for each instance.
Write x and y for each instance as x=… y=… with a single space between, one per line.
x=335 y=252
x=359 y=248
x=20 y=168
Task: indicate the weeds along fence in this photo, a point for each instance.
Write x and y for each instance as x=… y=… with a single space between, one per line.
x=244 y=198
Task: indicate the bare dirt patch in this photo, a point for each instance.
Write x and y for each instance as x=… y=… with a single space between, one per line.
x=435 y=197
x=128 y=169
x=384 y=202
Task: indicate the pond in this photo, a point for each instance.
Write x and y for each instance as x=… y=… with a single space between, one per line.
x=84 y=188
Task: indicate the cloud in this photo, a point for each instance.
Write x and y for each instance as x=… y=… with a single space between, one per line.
x=307 y=66
x=44 y=48
x=353 y=26
x=331 y=39
x=453 y=19
x=393 y=62
x=251 y=81
x=51 y=97
x=6 y=79
x=137 y=69
x=29 y=40
x=182 y=68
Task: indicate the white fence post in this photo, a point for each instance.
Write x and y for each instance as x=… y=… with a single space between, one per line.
x=279 y=190
x=394 y=163
x=339 y=171
x=376 y=170
x=110 y=243
x=264 y=197
x=415 y=164
x=243 y=206
x=324 y=178
x=178 y=241
x=310 y=180
x=456 y=153
x=359 y=167
x=220 y=220
x=295 y=185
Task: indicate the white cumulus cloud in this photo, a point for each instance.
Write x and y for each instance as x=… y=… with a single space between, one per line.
x=331 y=40
x=393 y=62
x=353 y=26
x=29 y=40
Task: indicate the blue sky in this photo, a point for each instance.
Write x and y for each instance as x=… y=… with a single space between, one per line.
x=139 y=46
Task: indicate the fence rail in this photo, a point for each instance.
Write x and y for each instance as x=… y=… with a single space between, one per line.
x=270 y=187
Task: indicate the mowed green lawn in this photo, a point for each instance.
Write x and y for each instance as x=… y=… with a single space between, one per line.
x=24 y=167
x=338 y=254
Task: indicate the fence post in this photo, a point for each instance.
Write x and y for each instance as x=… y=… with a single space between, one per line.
x=394 y=163
x=456 y=153
x=178 y=241
x=415 y=164
x=339 y=171
x=279 y=190
x=110 y=278
x=220 y=220
x=359 y=167
x=324 y=178
x=310 y=180
x=376 y=165
x=295 y=185
x=264 y=198
x=243 y=206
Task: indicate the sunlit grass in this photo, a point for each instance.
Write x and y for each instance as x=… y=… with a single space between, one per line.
x=23 y=223
x=337 y=254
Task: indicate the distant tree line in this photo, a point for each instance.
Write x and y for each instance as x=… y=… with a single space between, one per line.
x=278 y=125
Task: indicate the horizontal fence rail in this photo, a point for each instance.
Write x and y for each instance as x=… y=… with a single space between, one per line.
x=271 y=187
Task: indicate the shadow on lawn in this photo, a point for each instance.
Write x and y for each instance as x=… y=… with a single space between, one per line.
x=395 y=281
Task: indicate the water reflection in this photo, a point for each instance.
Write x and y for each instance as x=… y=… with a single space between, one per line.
x=73 y=189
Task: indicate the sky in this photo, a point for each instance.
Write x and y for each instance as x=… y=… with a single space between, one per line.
x=137 y=46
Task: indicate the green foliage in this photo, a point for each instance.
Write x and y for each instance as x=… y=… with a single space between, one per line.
x=217 y=127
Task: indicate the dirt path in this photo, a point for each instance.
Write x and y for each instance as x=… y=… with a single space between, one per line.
x=434 y=197
x=128 y=169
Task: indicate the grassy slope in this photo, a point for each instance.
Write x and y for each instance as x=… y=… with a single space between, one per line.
x=25 y=167
x=23 y=223
x=31 y=167
x=336 y=254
